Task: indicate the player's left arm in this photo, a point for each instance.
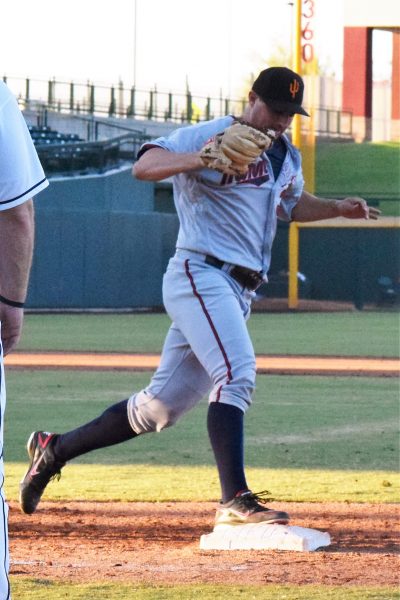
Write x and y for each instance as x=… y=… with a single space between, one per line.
x=312 y=208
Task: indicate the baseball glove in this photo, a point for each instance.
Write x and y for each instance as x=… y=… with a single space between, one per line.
x=233 y=150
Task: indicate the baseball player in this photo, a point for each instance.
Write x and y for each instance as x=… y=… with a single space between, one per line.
x=21 y=177
x=232 y=179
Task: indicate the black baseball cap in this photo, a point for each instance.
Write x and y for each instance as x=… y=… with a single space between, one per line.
x=281 y=89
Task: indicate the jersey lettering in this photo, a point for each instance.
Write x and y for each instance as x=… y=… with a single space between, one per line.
x=257 y=174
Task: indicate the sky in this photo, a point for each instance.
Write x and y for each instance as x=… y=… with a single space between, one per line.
x=213 y=45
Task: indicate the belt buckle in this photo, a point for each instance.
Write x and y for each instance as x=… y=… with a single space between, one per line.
x=255 y=280
x=246 y=277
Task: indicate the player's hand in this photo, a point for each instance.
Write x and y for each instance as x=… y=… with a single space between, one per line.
x=357 y=208
x=11 y=326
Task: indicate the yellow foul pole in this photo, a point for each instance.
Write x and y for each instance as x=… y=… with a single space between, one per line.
x=293 y=295
x=293 y=298
x=297 y=66
x=305 y=64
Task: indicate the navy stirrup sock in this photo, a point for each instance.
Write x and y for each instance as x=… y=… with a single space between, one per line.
x=225 y=430
x=112 y=427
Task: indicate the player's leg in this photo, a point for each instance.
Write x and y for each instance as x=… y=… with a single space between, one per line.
x=211 y=315
x=4 y=552
x=211 y=312
x=179 y=383
x=158 y=406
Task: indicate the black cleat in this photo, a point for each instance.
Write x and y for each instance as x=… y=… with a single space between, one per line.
x=246 y=508
x=42 y=468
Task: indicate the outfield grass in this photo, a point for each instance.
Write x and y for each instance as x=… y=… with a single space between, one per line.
x=307 y=438
x=295 y=422
x=30 y=589
x=370 y=169
x=340 y=334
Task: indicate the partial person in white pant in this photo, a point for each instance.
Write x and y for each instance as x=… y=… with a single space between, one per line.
x=21 y=178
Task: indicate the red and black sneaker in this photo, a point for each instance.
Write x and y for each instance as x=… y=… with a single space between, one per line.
x=42 y=468
x=246 y=508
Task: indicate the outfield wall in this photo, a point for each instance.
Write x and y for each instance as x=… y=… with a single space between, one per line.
x=99 y=244
x=104 y=241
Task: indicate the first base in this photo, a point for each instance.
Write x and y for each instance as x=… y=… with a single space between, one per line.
x=264 y=536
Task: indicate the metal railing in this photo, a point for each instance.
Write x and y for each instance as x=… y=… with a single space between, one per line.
x=331 y=122
x=89 y=157
x=89 y=127
x=118 y=101
x=153 y=105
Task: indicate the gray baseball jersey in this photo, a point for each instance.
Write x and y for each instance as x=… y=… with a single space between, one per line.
x=232 y=219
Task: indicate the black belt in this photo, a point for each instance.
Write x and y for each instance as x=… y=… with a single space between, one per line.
x=246 y=277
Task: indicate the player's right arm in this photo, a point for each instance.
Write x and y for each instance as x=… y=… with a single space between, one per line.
x=16 y=247
x=157 y=164
x=21 y=178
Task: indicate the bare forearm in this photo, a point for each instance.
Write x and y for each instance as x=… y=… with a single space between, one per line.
x=312 y=208
x=157 y=164
x=16 y=248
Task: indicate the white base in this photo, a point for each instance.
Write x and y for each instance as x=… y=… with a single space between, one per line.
x=264 y=536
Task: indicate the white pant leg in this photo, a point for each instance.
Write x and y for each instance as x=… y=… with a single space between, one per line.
x=210 y=310
x=5 y=593
x=179 y=383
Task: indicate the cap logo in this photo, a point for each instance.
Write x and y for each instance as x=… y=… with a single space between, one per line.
x=294 y=87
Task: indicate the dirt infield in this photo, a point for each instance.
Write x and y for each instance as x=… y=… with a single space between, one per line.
x=159 y=543
x=317 y=365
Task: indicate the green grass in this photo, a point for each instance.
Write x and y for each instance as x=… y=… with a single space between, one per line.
x=341 y=334
x=152 y=483
x=370 y=170
x=388 y=208
x=29 y=589
x=307 y=438
x=336 y=334
x=97 y=333
x=295 y=422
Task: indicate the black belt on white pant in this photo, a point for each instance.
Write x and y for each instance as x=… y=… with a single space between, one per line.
x=247 y=278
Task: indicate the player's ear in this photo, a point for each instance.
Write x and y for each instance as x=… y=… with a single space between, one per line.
x=252 y=97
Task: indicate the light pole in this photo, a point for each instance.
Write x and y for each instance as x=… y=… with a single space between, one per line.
x=291 y=11
x=134 y=42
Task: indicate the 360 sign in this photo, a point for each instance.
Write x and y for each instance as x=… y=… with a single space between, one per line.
x=307 y=32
